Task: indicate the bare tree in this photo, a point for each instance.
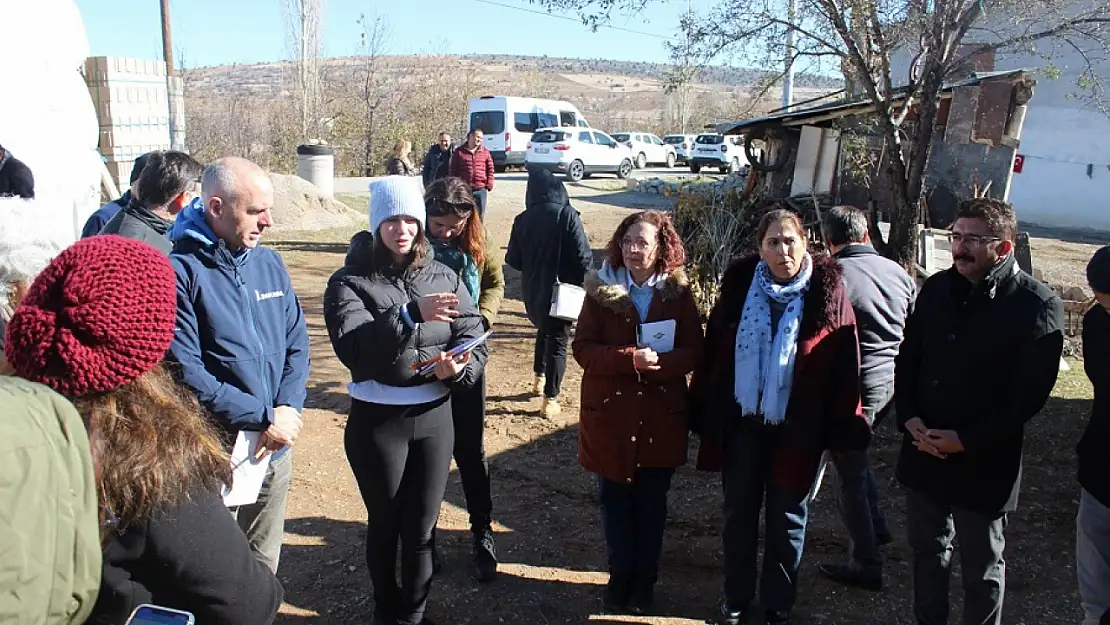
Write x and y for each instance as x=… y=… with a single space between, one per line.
x=864 y=35
x=373 y=80
x=305 y=41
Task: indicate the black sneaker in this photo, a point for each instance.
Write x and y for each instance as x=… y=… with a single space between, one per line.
x=777 y=617
x=485 y=556
x=615 y=598
x=727 y=615
x=853 y=576
x=642 y=597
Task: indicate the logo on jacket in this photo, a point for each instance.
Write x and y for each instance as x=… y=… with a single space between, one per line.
x=258 y=297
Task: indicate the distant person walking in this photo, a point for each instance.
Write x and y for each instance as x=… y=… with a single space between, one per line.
x=474 y=164
x=437 y=162
x=548 y=243
x=103 y=214
x=169 y=182
x=401 y=163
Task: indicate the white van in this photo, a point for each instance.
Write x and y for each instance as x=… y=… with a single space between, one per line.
x=508 y=123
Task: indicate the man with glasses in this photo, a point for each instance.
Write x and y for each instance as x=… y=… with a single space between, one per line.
x=980 y=357
x=437 y=160
x=474 y=164
x=169 y=182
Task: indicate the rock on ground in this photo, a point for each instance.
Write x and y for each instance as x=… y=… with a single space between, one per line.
x=300 y=205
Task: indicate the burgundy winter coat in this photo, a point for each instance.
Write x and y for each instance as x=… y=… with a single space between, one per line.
x=824 y=409
x=475 y=168
x=631 y=420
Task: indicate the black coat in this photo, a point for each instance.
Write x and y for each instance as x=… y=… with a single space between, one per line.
x=980 y=360
x=548 y=232
x=362 y=311
x=192 y=557
x=436 y=164
x=138 y=223
x=1094 y=447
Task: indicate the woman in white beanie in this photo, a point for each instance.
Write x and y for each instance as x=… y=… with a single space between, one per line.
x=390 y=308
x=27 y=245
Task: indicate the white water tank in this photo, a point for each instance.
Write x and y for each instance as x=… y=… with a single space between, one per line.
x=316 y=164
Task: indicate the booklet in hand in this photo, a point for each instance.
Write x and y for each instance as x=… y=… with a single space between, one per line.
x=456 y=351
x=658 y=335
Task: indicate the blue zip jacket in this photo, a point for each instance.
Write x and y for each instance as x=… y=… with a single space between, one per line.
x=241 y=337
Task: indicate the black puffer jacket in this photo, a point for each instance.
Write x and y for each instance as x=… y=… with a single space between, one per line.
x=368 y=333
x=548 y=233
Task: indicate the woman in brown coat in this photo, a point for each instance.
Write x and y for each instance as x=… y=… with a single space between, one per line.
x=632 y=431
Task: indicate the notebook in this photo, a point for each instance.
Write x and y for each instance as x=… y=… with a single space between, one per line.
x=658 y=335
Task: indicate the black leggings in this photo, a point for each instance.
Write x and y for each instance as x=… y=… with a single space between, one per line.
x=468 y=411
x=400 y=456
x=550 y=357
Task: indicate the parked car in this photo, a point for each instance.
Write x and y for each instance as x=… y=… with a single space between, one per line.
x=647 y=149
x=578 y=153
x=683 y=146
x=714 y=150
x=509 y=121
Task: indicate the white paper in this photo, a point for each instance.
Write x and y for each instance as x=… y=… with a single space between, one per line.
x=816 y=488
x=247 y=473
x=658 y=335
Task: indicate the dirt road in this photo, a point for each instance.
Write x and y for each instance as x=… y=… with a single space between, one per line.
x=552 y=551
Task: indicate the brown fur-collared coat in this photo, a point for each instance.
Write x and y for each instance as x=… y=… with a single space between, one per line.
x=632 y=420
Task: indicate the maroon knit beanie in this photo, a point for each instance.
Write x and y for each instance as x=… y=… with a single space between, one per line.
x=99 y=316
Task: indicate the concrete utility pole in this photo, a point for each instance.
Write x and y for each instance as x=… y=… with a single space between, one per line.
x=167 y=55
x=788 y=77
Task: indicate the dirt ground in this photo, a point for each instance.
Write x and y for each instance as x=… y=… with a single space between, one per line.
x=546 y=517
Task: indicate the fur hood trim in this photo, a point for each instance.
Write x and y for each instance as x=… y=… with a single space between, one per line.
x=607 y=287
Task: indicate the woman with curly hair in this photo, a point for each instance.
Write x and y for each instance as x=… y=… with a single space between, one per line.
x=632 y=429
x=94 y=326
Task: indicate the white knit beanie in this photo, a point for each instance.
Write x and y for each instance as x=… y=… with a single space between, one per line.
x=396 y=195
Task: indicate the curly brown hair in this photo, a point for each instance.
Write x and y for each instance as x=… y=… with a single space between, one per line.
x=152 y=446
x=672 y=254
x=452 y=196
x=999 y=215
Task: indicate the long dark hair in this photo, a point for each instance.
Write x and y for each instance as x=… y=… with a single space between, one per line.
x=452 y=196
x=381 y=257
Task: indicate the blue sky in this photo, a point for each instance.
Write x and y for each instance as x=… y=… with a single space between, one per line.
x=216 y=32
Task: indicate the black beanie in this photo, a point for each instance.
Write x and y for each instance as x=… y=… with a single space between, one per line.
x=1098 y=270
x=15 y=177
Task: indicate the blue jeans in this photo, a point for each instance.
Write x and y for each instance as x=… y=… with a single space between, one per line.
x=480 y=200
x=1092 y=557
x=633 y=517
x=749 y=453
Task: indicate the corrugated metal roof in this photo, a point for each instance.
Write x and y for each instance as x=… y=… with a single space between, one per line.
x=844 y=109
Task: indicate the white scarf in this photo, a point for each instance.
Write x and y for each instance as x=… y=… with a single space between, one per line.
x=765 y=363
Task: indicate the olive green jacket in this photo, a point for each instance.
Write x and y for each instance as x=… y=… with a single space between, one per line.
x=49 y=530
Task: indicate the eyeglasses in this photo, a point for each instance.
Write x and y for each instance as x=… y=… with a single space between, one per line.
x=972 y=240
x=637 y=244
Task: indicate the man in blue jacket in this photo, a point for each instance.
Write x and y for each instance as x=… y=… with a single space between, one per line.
x=241 y=337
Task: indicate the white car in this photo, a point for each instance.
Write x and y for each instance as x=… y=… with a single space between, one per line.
x=714 y=150
x=578 y=153
x=647 y=148
x=683 y=146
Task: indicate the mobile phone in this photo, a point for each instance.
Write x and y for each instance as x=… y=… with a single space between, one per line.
x=147 y=614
